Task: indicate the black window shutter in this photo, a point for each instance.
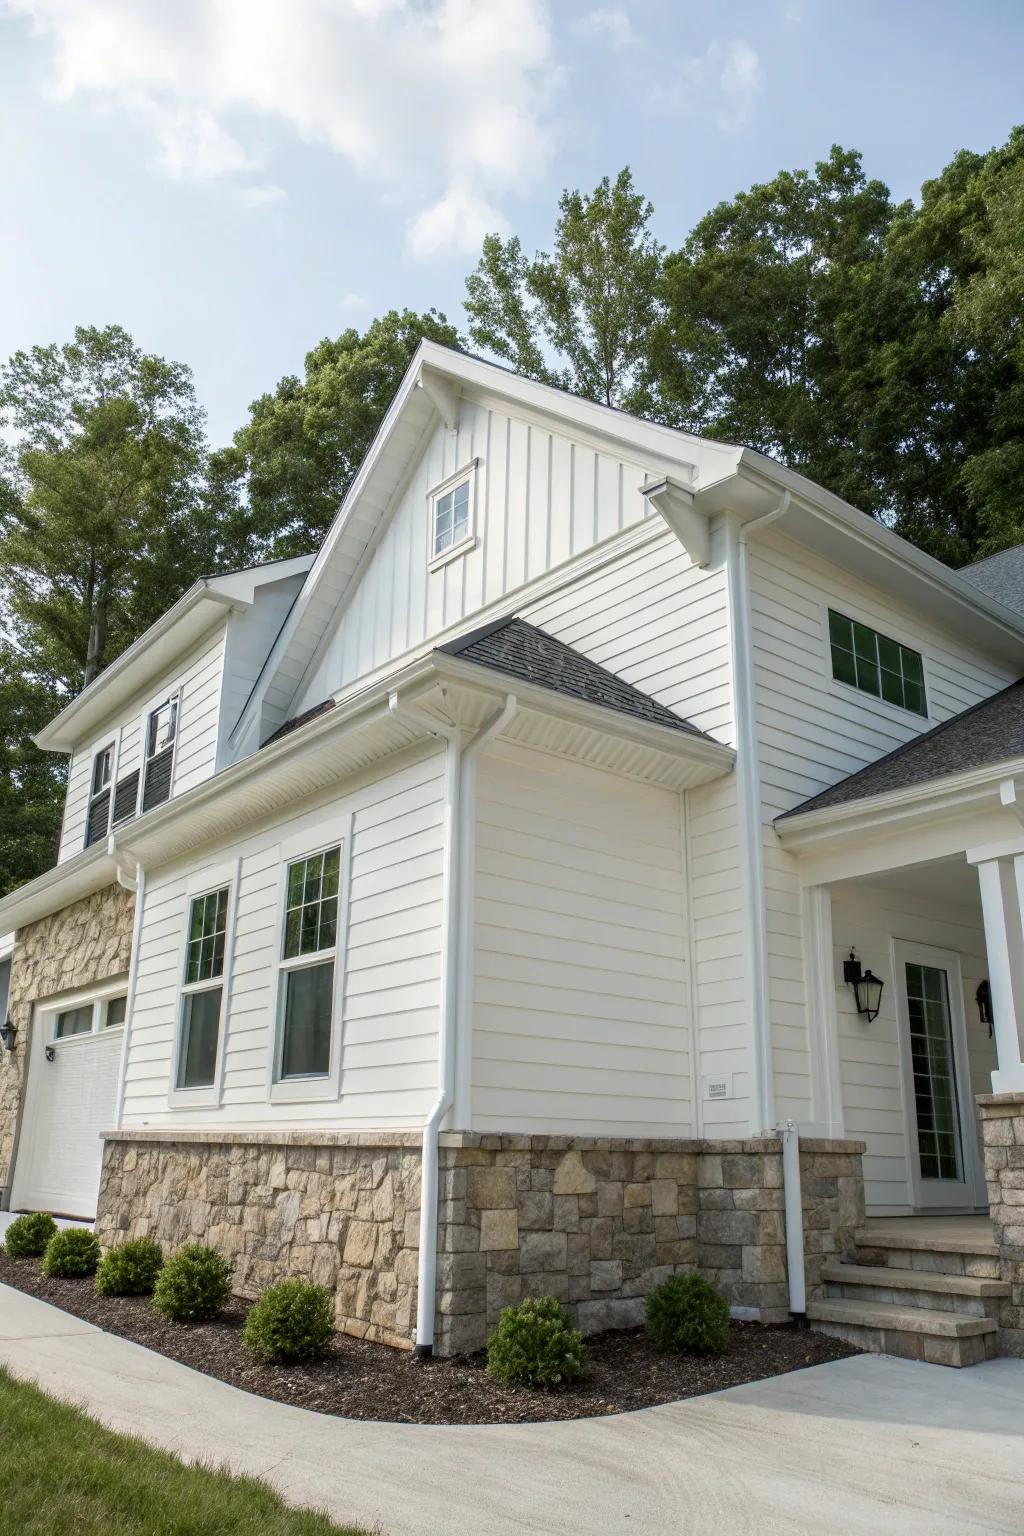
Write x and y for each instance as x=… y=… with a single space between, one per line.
x=99 y=811
x=157 y=787
x=126 y=795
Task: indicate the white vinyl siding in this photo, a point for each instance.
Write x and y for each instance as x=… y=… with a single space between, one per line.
x=539 y=499
x=580 y=991
x=195 y=757
x=391 y=962
x=868 y=917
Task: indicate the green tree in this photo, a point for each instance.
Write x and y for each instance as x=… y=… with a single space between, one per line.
x=301 y=447
x=103 y=530
x=31 y=782
x=581 y=317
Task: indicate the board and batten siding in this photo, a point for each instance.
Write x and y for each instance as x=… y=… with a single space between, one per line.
x=869 y=916
x=539 y=500
x=252 y=631
x=391 y=962
x=581 y=991
x=814 y=731
x=199 y=677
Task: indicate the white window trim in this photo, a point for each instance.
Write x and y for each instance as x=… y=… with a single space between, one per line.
x=112 y=744
x=98 y=997
x=205 y=884
x=298 y=1090
x=468 y=472
x=847 y=691
x=157 y=701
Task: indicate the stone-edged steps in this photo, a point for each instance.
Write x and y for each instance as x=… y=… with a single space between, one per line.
x=921 y=1289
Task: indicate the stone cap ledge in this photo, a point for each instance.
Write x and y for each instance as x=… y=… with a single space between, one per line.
x=231 y=1136
x=1008 y=1103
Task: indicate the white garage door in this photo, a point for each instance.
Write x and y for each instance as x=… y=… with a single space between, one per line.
x=69 y=1102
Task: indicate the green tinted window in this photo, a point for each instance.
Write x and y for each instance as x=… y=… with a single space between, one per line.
x=311 y=919
x=875 y=664
x=207 y=925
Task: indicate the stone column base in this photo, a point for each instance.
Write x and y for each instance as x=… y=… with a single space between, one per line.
x=1002 y=1128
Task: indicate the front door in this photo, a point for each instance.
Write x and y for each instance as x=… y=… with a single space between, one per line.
x=945 y=1172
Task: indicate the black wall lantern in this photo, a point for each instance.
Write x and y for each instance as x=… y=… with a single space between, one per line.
x=983 y=998
x=867 y=989
x=8 y=1031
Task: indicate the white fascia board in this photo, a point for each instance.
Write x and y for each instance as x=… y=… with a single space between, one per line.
x=87 y=872
x=174 y=633
x=241 y=586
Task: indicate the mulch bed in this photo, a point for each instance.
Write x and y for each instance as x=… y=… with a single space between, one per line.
x=360 y=1380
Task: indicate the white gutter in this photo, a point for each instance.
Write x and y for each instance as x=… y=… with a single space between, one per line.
x=453 y=924
x=748 y=775
x=138 y=885
x=794 y=1219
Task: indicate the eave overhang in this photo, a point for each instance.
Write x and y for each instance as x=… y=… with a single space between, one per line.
x=76 y=878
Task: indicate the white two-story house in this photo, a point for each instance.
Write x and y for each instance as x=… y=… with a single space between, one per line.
x=462 y=912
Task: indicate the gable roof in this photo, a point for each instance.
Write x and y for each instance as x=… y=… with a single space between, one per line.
x=521 y=650
x=1000 y=576
x=989 y=732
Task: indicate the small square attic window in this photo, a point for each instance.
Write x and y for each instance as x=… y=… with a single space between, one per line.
x=451 y=515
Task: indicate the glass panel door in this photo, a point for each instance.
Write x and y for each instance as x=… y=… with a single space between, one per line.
x=933 y=1065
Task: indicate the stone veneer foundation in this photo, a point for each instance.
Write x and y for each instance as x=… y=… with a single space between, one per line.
x=1002 y=1127
x=595 y=1221
x=84 y=943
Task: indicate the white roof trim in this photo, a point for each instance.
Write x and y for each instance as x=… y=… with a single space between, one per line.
x=87 y=872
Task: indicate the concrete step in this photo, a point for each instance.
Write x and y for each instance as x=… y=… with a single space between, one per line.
x=968 y=1295
x=928 y=1237
x=913 y=1333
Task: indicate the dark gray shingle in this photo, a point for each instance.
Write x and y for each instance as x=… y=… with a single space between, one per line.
x=989 y=732
x=520 y=650
x=1000 y=576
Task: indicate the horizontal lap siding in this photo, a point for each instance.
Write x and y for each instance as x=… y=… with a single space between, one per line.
x=813 y=732
x=392 y=963
x=540 y=500
x=867 y=918
x=580 y=984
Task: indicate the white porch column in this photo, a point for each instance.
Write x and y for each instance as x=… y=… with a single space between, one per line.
x=822 y=1017
x=1002 y=884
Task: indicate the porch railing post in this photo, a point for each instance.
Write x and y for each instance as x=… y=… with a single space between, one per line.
x=1001 y=882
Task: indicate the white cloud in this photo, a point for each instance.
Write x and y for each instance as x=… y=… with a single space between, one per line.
x=740 y=79
x=443 y=103
x=610 y=24
x=259 y=194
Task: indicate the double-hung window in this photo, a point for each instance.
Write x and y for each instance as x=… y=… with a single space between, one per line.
x=309 y=950
x=202 y=991
x=161 y=733
x=871 y=662
x=98 y=821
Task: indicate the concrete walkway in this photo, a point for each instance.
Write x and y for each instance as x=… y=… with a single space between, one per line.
x=850 y=1449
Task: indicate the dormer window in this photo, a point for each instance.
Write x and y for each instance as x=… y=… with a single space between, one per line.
x=451 y=516
x=161 y=734
x=98 y=820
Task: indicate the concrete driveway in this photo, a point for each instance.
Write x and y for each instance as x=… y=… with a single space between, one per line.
x=855 y=1448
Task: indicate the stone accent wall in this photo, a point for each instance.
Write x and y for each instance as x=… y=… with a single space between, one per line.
x=84 y=943
x=596 y=1222
x=1002 y=1127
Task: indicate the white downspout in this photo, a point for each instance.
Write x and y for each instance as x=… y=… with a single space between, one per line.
x=794 y=1219
x=453 y=787
x=749 y=797
x=138 y=885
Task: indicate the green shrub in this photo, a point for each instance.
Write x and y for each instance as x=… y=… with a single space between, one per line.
x=293 y=1320
x=687 y=1314
x=130 y=1270
x=73 y=1252
x=534 y=1346
x=27 y=1236
x=192 y=1287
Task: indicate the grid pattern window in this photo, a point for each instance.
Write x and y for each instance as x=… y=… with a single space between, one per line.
x=451 y=517
x=876 y=665
x=308 y=960
x=203 y=991
x=161 y=733
x=931 y=1054
x=98 y=821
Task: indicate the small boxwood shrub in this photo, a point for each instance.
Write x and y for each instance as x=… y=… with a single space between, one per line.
x=687 y=1314
x=293 y=1320
x=534 y=1345
x=27 y=1236
x=131 y=1269
x=192 y=1287
x=71 y=1253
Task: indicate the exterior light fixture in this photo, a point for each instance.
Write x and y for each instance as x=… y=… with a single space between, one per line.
x=867 y=988
x=8 y=1031
x=983 y=998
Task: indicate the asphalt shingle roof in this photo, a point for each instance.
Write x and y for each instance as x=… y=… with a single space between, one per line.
x=989 y=732
x=1000 y=576
x=520 y=650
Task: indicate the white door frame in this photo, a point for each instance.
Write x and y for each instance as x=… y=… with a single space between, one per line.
x=935 y=1194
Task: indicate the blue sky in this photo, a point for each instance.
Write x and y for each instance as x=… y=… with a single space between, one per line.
x=233 y=179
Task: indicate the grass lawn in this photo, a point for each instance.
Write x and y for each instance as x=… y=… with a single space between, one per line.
x=62 y=1474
